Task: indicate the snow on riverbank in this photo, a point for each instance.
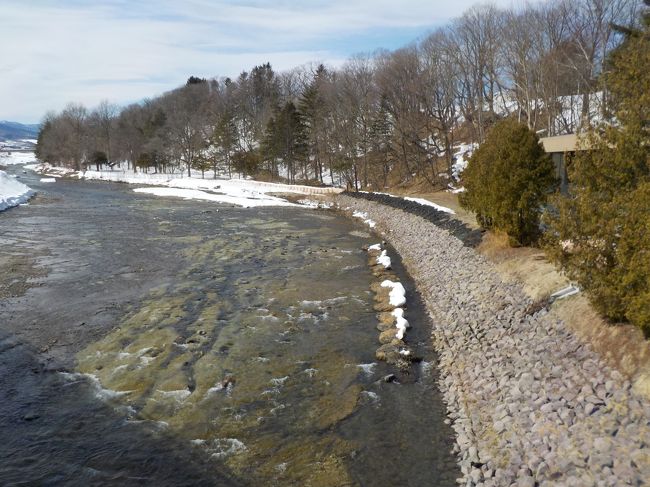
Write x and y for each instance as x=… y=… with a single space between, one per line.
x=364 y=217
x=240 y=192
x=13 y=158
x=397 y=293
x=419 y=201
x=12 y=191
x=244 y=199
x=422 y=201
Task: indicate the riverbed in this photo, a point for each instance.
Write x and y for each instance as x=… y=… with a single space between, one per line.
x=148 y=339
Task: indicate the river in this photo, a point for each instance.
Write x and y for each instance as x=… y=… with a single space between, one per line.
x=148 y=340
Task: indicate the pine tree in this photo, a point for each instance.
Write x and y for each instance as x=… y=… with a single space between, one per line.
x=312 y=108
x=285 y=139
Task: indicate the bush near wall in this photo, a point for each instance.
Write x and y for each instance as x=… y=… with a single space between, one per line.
x=507 y=180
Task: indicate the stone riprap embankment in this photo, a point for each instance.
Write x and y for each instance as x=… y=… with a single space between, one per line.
x=470 y=237
x=530 y=404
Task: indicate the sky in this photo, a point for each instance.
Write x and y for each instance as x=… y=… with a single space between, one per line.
x=57 y=51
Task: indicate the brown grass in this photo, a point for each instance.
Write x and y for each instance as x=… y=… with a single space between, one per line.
x=526 y=265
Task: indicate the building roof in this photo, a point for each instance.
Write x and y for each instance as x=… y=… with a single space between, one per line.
x=561 y=143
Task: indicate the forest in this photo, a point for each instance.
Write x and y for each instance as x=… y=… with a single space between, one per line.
x=384 y=118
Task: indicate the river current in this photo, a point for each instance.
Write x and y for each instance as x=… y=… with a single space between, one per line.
x=169 y=342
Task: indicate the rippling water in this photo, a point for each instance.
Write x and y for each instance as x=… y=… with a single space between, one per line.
x=254 y=365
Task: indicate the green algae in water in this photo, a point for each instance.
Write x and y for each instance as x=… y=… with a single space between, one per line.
x=251 y=357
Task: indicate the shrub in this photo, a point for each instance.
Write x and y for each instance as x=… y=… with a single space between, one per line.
x=601 y=232
x=507 y=180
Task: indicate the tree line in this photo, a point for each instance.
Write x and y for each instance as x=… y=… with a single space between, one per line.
x=389 y=116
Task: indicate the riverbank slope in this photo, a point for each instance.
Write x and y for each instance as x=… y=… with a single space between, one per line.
x=530 y=402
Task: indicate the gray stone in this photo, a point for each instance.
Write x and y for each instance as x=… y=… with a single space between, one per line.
x=526 y=482
x=602 y=444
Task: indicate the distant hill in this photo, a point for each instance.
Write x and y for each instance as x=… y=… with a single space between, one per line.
x=15 y=130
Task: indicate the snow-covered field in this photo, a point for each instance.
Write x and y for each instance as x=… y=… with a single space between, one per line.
x=9 y=159
x=12 y=192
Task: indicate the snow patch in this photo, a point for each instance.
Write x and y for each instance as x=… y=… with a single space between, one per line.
x=12 y=191
x=400 y=322
x=384 y=260
x=461 y=158
x=397 y=295
x=364 y=217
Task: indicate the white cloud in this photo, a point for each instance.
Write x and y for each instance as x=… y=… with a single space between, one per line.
x=55 y=52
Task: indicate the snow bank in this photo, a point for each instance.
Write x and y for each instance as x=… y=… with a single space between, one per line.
x=195 y=194
x=400 y=322
x=424 y=202
x=241 y=192
x=384 y=260
x=7 y=159
x=397 y=295
x=12 y=192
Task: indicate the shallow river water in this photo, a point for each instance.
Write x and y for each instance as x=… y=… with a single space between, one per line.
x=159 y=341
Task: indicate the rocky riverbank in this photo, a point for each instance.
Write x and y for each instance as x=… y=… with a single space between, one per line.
x=529 y=402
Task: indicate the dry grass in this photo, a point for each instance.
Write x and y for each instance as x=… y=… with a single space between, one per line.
x=525 y=265
x=622 y=346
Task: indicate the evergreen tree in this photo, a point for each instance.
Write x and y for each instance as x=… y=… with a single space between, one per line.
x=380 y=141
x=285 y=139
x=507 y=180
x=601 y=233
x=312 y=107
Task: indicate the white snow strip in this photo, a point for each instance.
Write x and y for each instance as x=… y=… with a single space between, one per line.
x=195 y=194
x=384 y=260
x=424 y=202
x=48 y=180
x=375 y=247
x=420 y=201
x=400 y=322
x=12 y=191
x=397 y=295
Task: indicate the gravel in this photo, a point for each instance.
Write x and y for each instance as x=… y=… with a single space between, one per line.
x=526 y=398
